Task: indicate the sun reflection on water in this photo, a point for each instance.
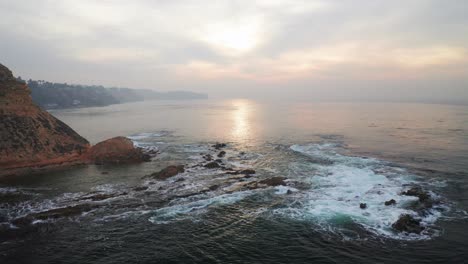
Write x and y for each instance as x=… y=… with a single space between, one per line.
x=241 y=124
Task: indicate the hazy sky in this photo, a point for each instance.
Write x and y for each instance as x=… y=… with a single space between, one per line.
x=409 y=50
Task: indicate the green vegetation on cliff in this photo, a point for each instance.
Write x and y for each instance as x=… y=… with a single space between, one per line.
x=61 y=95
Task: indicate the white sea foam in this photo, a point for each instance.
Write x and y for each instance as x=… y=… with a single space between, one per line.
x=183 y=209
x=141 y=136
x=340 y=183
x=148 y=140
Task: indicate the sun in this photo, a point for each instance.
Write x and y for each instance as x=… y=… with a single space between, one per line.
x=232 y=39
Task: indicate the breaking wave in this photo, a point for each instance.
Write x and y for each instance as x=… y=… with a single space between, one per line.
x=341 y=183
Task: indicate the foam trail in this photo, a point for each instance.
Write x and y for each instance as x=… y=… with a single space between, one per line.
x=182 y=210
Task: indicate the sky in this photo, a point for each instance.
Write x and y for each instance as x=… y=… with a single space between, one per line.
x=368 y=50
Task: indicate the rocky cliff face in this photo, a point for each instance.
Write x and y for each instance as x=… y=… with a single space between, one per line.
x=30 y=136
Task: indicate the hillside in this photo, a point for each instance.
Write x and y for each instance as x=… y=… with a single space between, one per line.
x=30 y=136
x=61 y=95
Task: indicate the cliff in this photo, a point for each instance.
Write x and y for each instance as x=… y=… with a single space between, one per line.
x=30 y=136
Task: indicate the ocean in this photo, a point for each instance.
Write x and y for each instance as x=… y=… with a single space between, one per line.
x=332 y=157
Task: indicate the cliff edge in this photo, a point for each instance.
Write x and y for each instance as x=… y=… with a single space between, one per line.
x=30 y=136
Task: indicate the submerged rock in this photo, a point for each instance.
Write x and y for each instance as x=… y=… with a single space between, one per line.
x=219 y=145
x=212 y=165
x=363 y=205
x=275 y=181
x=246 y=172
x=100 y=197
x=54 y=214
x=221 y=154
x=140 y=188
x=390 y=202
x=407 y=223
x=213 y=187
x=208 y=157
x=252 y=185
x=167 y=172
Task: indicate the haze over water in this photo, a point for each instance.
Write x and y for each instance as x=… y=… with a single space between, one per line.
x=390 y=129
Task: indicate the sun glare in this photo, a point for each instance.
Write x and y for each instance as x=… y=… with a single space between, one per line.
x=234 y=39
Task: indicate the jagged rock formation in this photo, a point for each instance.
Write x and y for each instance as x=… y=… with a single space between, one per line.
x=30 y=136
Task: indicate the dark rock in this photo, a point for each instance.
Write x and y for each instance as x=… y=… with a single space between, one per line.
x=275 y=181
x=289 y=192
x=54 y=214
x=168 y=172
x=390 y=202
x=100 y=197
x=212 y=165
x=213 y=187
x=220 y=161
x=363 y=205
x=246 y=172
x=208 y=157
x=140 y=188
x=104 y=172
x=221 y=154
x=180 y=179
x=219 y=145
x=418 y=192
x=407 y=223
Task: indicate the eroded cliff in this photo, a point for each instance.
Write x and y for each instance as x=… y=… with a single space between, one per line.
x=30 y=136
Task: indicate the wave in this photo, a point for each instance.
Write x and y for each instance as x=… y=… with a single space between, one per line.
x=340 y=183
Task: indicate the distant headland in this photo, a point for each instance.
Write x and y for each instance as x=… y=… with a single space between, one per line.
x=50 y=95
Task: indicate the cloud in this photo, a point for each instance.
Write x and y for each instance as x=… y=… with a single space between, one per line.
x=210 y=43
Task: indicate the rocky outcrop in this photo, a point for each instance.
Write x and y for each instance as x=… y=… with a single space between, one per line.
x=30 y=136
x=409 y=224
x=32 y=139
x=114 y=151
x=424 y=197
x=274 y=181
x=219 y=146
x=167 y=172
